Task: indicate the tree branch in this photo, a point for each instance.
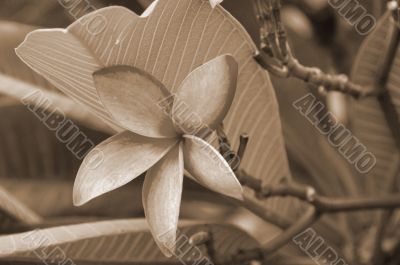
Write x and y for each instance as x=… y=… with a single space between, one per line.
x=303 y=223
x=279 y=241
x=267 y=215
x=322 y=203
x=276 y=56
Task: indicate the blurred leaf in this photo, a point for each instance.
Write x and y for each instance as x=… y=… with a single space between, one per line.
x=145 y=3
x=368 y=120
x=52 y=198
x=22 y=157
x=289 y=258
x=347 y=40
x=119 y=241
x=392 y=233
x=43 y=13
x=14 y=214
x=312 y=159
x=137 y=6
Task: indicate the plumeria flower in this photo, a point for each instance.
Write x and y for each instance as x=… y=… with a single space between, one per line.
x=162 y=141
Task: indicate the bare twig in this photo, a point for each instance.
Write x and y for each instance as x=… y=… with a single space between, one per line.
x=257 y=207
x=303 y=223
x=276 y=57
x=243 y=141
x=281 y=240
x=323 y=204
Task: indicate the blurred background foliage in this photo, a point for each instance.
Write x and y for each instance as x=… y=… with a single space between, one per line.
x=319 y=36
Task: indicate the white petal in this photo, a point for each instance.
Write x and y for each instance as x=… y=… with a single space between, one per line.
x=149 y=9
x=162 y=193
x=205 y=96
x=133 y=98
x=115 y=162
x=214 y=3
x=209 y=168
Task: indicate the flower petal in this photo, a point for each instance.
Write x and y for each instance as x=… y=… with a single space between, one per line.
x=162 y=191
x=214 y=3
x=205 y=96
x=115 y=162
x=133 y=98
x=149 y=9
x=209 y=168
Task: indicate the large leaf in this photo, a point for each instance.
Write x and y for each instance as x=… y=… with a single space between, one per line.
x=18 y=81
x=37 y=154
x=174 y=39
x=369 y=123
x=14 y=214
x=121 y=241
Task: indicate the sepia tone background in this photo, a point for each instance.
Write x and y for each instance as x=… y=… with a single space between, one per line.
x=39 y=170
